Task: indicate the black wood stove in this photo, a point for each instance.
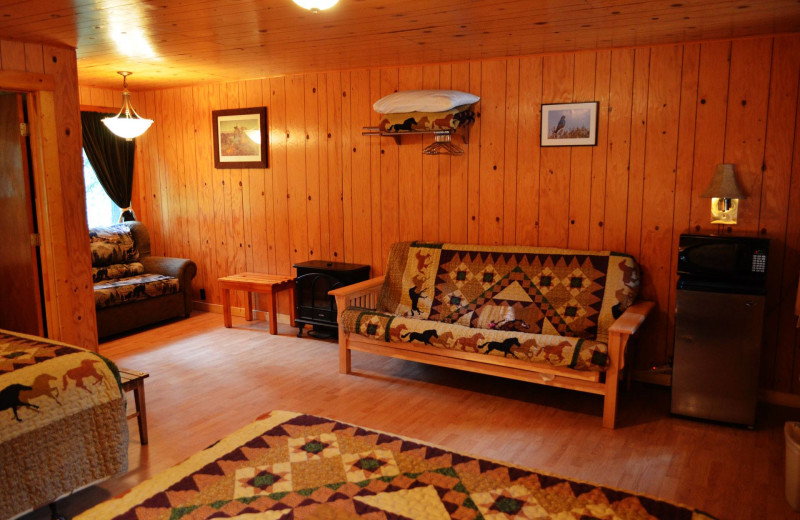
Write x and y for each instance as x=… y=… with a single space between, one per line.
x=313 y=305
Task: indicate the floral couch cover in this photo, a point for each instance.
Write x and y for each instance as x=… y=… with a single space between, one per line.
x=117 y=274
x=534 y=304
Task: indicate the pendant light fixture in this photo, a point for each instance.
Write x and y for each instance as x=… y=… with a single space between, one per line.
x=315 y=6
x=127 y=124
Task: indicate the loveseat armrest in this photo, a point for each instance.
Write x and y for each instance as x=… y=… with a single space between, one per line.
x=181 y=268
x=175 y=267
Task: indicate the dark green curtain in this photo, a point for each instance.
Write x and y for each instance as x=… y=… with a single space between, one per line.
x=112 y=160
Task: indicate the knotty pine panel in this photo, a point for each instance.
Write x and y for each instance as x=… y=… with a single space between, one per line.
x=597 y=202
x=558 y=73
x=490 y=206
x=668 y=115
x=511 y=153
x=378 y=256
x=580 y=178
x=530 y=99
x=618 y=160
x=683 y=175
x=312 y=166
x=777 y=178
x=459 y=166
x=430 y=169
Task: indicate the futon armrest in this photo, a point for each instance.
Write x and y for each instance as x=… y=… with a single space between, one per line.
x=359 y=289
x=362 y=294
x=631 y=319
x=180 y=268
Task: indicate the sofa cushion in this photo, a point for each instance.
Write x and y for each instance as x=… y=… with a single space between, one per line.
x=112 y=245
x=123 y=290
x=576 y=353
x=533 y=290
x=114 y=271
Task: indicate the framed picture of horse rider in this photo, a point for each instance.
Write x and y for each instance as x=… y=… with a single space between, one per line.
x=240 y=137
x=569 y=124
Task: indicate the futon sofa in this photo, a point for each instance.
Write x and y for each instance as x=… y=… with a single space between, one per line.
x=133 y=288
x=550 y=316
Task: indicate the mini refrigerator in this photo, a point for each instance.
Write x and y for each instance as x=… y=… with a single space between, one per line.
x=719 y=316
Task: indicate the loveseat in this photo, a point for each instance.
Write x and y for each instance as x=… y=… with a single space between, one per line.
x=550 y=316
x=133 y=288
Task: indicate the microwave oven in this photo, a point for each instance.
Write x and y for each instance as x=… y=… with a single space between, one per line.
x=723 y=257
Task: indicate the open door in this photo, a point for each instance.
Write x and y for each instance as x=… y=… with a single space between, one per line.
x=20 y=287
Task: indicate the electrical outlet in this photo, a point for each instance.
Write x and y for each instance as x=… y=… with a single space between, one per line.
x=202 y=294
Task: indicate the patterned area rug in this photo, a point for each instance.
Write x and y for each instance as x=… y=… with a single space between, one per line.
x=288 y=465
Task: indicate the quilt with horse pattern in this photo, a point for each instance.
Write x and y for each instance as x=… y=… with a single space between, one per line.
x=62 y=421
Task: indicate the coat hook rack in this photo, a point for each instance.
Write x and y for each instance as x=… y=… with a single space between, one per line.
x=442 y=144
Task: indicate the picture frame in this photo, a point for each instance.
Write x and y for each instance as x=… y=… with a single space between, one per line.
x=569 y=124
x=240 y=137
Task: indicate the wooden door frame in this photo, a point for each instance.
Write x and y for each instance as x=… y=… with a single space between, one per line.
x=40 y=100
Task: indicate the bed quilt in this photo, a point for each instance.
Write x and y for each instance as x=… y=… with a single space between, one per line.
x=291 y=466
x=62 y=421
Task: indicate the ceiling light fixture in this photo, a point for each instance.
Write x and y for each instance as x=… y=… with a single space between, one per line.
x=315 y=6
x=127 y=123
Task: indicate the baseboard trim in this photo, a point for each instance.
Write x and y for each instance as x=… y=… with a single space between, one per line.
x=779 y=398
x=655 y=378
x=237 y=311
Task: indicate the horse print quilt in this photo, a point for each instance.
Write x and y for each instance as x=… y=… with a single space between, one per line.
x=62 y=421
x=527 y=304
x=533 y=290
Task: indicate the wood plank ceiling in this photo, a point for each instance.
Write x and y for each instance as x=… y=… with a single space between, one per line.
x=171 y=43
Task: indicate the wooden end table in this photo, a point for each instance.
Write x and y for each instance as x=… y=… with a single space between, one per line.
x=270 y=284
x=134 y=381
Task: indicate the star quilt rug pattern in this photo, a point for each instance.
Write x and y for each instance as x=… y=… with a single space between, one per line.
x=288 y=465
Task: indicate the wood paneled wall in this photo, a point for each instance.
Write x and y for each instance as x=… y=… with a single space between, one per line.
x=60 y=194
x=668 y=115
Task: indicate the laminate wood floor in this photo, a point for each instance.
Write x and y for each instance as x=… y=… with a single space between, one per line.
x=207 y=381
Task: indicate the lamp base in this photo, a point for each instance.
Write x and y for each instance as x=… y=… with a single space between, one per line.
x=721 y=215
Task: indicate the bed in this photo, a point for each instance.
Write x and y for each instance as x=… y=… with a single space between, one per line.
x=62 y=421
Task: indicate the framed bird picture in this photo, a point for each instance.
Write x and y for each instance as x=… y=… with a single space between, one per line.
x=569 y=124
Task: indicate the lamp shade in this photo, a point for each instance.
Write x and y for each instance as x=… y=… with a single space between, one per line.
x=127 y=123
x=127 y=127
x=723 y=184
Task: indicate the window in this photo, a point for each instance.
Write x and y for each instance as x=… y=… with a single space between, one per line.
x=100 y=210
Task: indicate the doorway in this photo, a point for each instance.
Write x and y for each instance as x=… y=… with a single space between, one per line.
x=21 y=305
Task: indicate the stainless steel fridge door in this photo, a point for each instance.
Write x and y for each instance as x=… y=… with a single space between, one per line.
x=716 y=358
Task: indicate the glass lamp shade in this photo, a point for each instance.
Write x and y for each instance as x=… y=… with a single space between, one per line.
x=127 y=123
x=127 y=127
x=315 y=5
